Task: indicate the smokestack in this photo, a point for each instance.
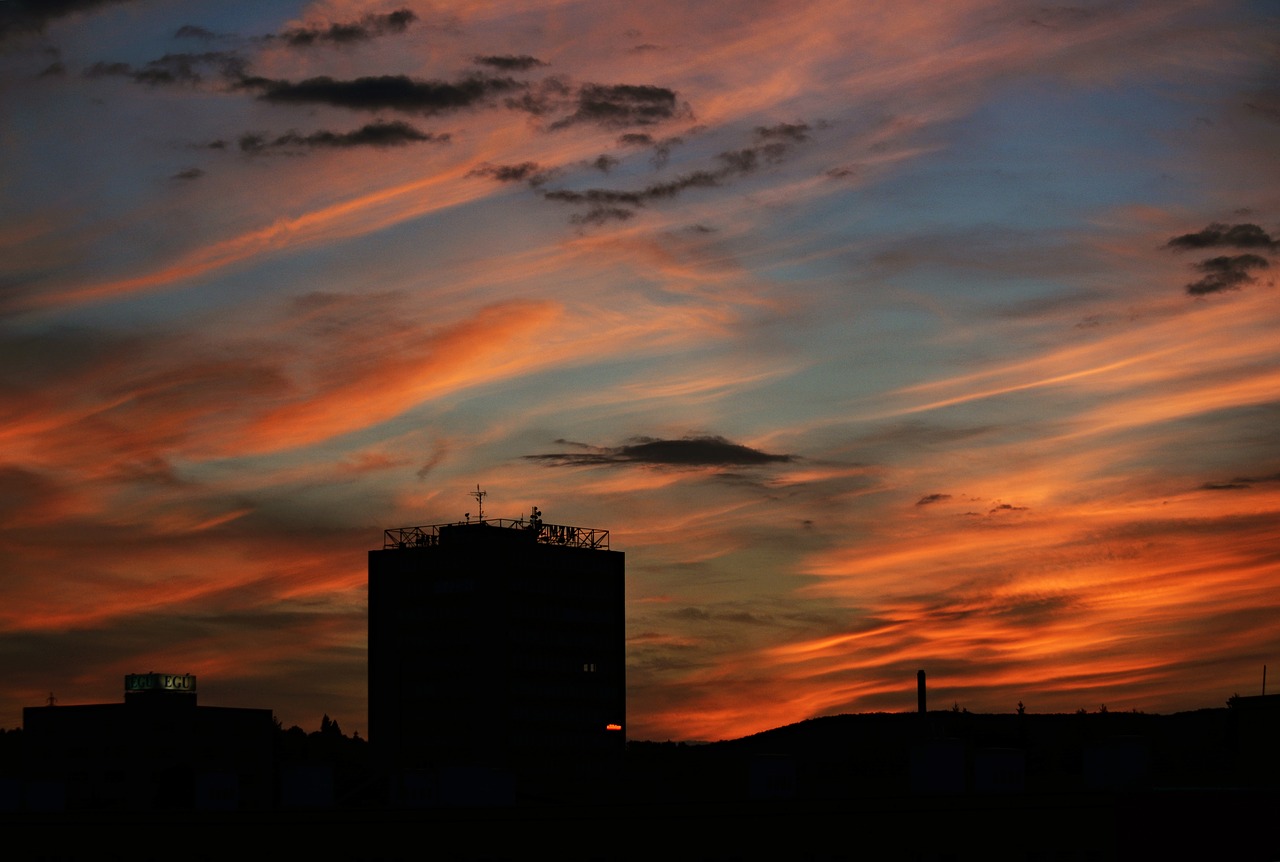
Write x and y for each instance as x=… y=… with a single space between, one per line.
x=920 y=690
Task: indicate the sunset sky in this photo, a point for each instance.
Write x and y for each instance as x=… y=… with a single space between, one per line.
x=879 y=335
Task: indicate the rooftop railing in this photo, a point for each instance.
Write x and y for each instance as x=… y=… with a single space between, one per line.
x=544 y=534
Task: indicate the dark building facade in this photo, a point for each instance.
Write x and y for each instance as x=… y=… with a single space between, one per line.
x=497 y=644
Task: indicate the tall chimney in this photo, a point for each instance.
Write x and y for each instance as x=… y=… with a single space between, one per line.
x=920 y=691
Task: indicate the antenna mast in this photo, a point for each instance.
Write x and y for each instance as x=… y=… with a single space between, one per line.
x=479 y=495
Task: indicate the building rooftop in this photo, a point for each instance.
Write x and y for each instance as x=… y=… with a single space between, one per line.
x=429 y=535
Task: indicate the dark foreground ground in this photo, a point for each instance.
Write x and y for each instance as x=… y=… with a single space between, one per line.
x=1203 y=785
x=1164 y=824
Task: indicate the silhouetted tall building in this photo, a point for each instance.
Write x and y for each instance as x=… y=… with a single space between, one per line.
x=497 y=644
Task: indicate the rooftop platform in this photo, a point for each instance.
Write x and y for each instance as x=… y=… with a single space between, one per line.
x=429 y=535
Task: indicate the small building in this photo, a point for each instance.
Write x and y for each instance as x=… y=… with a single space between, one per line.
x=156 y=750
x=1257 y=720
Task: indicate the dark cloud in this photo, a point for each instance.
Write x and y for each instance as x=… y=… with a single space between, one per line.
x=436 y=459
x=635 y=139
x=1269 y=112
x=31 y=16
x=1006 y=507
x=547 y=96
x=619 y=105
x=695 y=614
x=612 y=204
x=173 y=68
x=654 y=191
x=525 y=171
x=509 y=62
x=53 y=70
x=740 y=161
x=368 y=27
x=662 y=150
x=598 y=215
x=189 y=174
x=536 y=104
x=604 y=163
x=380 y=134
x=191 y=31
x=932 y=498
x=1232 y=236
x=1033 y=610
x=597 y=197
x=705 y=451
x=102 y=69
x=1226 y=273
x=701 y=615
x=1064 y=17
x=745 y=618
x=607 y=204
x=1240 y=483
x=793 y=132
x=394 y=92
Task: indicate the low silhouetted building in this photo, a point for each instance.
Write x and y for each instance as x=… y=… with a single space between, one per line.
x=156 y=750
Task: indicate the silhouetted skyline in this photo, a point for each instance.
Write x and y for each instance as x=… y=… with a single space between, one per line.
x=882 y=337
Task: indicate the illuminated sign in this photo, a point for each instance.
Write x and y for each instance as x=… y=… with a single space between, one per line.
x=177 y=682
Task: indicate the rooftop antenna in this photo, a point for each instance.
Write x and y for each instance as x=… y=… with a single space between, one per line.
x=479 y=495
x=52 y=701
